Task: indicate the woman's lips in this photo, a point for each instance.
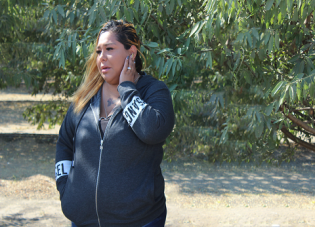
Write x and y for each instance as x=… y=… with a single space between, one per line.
x=105 y=69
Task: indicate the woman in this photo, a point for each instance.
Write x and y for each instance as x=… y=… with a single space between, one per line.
x=110 y=143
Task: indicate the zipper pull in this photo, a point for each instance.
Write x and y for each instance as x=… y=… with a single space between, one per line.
x=101 y=147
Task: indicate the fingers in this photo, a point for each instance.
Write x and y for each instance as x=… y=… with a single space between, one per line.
x=128 y=70
x=126 y=64
x=130 y=60
x=131 y=64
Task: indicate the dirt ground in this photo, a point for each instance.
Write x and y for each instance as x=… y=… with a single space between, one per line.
x=198 y=193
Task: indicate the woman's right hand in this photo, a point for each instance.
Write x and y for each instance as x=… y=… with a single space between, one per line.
x=128 y=73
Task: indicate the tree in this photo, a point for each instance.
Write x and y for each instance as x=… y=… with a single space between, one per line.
x=27 y=54
x=263 y=66
x=19 y=33
x=241 y=72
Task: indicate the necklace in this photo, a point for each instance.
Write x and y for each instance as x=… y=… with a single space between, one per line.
x=104 y=102
x=137 y=79
x=106 y=115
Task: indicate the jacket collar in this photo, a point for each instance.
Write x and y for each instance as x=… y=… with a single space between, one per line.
x=143 y=80
x=96 y=102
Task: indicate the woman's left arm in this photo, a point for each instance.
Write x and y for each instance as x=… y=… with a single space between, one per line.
x=151 y=118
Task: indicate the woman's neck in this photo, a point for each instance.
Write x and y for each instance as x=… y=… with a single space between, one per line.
x=110 y=91
x=110 y=98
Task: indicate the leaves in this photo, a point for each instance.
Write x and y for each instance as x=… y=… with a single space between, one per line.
x=269 y=4
x=152 y=44
x=240 y=37
x=229 y=65
x=277 y=88
x=255 y=33
x=61 y=11
x=168 y=65
x=209 y=60
x=259 y=129
x=164 y=50
x=249 y=40
x=270 y=44
x=277 y=40
x=54 y=15
x=268 y=109
x=194 y=29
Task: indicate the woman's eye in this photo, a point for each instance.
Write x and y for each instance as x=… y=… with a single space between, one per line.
x=109 y=48
x=98 y=51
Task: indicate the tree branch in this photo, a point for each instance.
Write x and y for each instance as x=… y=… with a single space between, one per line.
x=305 y=108
x=297 y=121
x=300 y=123
x=302 y=115
x=146 y=47
x=149 y=49
x=250 y=150
x=303 y=131
x=296 y=111
x=156 y=21
x=297 y=140
x=205 y=50
x=250 y=69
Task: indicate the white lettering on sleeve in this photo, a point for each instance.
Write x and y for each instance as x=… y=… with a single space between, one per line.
x=133 y=109
x=62 y=168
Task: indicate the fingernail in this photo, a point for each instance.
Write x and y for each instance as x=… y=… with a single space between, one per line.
x=132 y=55
x=127 y=57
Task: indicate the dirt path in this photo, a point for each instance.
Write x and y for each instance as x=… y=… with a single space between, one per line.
x=198 y=193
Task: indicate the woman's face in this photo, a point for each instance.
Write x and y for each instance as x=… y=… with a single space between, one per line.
x=111 y=56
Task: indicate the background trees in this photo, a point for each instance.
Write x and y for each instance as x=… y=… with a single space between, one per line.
x=241 y=73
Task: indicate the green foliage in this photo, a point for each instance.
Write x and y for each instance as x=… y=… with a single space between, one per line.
x=51 y=112
x=236 y=69
x=262 y=59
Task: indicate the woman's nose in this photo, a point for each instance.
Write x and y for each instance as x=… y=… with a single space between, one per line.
x=103 y=56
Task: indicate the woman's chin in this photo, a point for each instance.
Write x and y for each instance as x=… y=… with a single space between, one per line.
x=110 y=80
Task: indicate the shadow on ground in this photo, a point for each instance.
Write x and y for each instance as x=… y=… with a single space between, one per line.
x=18 y=220
x=22 y=157
x=27 y=155
x=197 y=176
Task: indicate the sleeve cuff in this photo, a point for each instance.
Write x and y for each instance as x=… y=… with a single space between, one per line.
x=62 y=168
x=133 y=109
x=126 y=84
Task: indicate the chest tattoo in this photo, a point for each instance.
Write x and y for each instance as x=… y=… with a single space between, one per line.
x=112 y=101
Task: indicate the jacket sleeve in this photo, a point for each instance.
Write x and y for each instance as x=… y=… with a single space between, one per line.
x=152 y=117
x=64 y=150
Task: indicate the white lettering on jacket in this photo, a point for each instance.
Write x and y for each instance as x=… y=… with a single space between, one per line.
x=62 y=168
x=133 y=109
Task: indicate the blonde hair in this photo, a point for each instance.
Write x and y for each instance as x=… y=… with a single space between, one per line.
x=126 y=34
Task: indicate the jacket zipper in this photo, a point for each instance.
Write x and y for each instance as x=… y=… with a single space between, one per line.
x=99 y=162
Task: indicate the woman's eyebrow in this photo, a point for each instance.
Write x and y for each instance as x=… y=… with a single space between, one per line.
x=105 y=44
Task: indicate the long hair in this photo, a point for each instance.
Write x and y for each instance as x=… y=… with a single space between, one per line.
x=125 y=34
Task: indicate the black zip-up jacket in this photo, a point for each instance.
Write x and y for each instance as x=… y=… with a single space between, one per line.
x=115 y=180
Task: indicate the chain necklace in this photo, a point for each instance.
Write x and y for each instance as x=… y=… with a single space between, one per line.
x=106 y=115
x=137 y=79
x=105 y=110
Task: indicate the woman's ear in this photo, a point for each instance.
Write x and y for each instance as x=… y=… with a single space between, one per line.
x=134 y=51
